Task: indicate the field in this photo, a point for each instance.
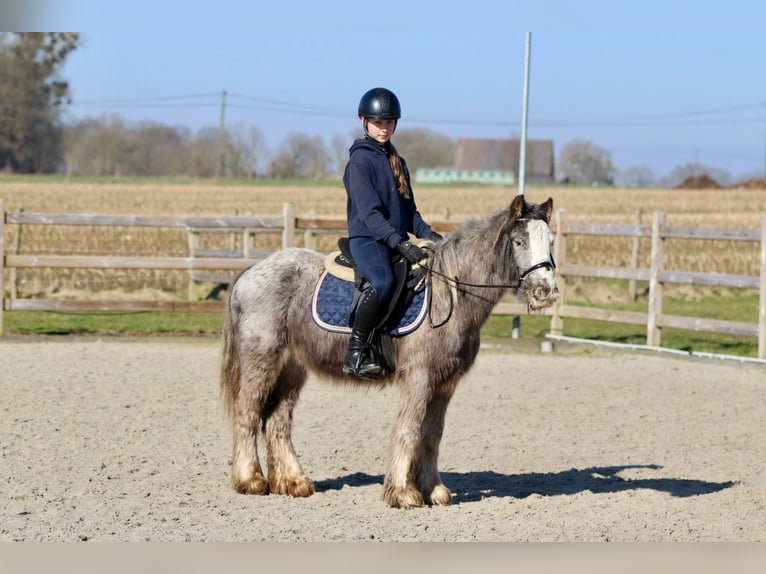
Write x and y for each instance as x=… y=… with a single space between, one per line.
x=712 y=207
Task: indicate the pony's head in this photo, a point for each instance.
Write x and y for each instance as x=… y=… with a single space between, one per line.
x=529 y=241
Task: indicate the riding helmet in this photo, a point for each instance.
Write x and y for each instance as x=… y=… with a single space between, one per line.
x=380 y=104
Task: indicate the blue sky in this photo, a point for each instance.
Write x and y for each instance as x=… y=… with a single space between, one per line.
x=657 y=84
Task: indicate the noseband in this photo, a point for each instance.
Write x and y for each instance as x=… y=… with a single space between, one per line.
x=550 y=265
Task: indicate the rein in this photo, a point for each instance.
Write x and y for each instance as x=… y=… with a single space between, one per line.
x=460 y=285
x=550 y=264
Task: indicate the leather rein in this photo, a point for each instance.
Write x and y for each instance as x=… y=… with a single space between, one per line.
x=460 y=285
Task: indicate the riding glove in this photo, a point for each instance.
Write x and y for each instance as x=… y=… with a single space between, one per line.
x=434 y=236
x=411 y=252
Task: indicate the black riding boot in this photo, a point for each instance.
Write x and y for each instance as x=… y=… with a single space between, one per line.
x=358 y=361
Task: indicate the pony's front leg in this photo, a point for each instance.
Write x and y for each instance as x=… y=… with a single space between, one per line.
x=399 y=487
x=286 y=475
x=426 y=462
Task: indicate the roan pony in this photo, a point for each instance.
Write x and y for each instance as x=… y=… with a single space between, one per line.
x=270 y=345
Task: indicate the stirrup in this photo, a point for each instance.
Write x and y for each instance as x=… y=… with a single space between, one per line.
x=372 y=372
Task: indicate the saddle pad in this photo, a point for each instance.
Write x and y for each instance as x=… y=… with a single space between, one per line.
x=334 y=264
x=333 y=298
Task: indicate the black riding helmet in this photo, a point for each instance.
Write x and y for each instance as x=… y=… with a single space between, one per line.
x=380 y=104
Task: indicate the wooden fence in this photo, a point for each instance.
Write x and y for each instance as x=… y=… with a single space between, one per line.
x=220 y=265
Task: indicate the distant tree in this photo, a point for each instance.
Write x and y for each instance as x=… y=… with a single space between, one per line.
x=340 y=146
x=302 y=156
x=283 y=166
x=424 y=148
x=31 y=98
x=204 y=157
x=681 y=173
x=96 y=146
x=583 y=163
x=244 y=150
x=636 y=176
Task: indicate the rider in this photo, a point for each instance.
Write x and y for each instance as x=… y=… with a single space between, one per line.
x=381 y=210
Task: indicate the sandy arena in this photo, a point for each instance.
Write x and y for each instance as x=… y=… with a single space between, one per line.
x=118 y=439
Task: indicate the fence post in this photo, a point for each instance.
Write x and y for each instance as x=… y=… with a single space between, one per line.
x=2 y=263
x=192 y=238
x=288 y=231
x=310 y=239
x=657 y=263
x=559 y=254
x=248 y=241
x=635 y=256
x=762 y=295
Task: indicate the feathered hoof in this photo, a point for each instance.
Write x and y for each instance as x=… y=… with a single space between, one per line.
x=255 y=485
x=441 y=496
x=404 y=498
x=300 y=487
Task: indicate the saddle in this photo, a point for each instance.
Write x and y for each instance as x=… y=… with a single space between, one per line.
x=341 y=285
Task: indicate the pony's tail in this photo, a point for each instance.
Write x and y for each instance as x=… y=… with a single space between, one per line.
x=230 y=367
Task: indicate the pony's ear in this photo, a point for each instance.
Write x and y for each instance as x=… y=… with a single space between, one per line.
x=547 y=209
x=518 y=208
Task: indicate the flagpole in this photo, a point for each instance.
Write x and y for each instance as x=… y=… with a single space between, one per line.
x=516 y=321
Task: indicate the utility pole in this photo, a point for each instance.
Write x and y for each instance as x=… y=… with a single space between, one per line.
x=221 y=133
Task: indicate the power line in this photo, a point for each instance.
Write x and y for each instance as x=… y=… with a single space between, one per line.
x=212 y=100
x=145 y=99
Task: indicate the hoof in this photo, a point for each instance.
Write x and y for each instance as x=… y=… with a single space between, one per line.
x=255 y=485
x=404 y=498
x=300 y=487
x=441 y=496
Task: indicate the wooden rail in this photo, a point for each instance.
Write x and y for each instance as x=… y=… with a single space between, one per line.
x=223 y=264
x=657 y=277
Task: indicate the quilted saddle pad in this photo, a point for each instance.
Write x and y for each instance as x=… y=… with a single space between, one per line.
x=332 y=302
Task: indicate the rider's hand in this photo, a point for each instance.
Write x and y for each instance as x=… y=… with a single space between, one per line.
x=411 y=252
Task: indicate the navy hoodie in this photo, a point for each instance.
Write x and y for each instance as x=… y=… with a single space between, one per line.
x=374 y=207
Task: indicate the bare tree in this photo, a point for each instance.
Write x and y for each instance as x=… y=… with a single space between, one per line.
x=204 y=153
x=636 y=176
x=583 y=163
x=302 y=156
x=242 y=149
x=340 y=148
x=424 y=148
x=96 y=146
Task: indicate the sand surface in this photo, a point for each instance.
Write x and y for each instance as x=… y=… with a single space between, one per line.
x=125 y=440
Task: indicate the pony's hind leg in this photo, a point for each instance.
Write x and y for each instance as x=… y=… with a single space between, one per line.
x=286 y=475
x=246 y=474
x=259 y=375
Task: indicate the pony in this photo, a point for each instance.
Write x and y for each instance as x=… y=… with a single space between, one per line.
x=270 y=344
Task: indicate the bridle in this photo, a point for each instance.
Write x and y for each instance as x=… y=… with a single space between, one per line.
x=459 y=285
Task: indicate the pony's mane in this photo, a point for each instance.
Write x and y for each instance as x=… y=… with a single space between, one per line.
x=480 y=249
x=474 y=246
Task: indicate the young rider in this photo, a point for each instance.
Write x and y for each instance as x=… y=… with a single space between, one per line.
x=381 y=211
